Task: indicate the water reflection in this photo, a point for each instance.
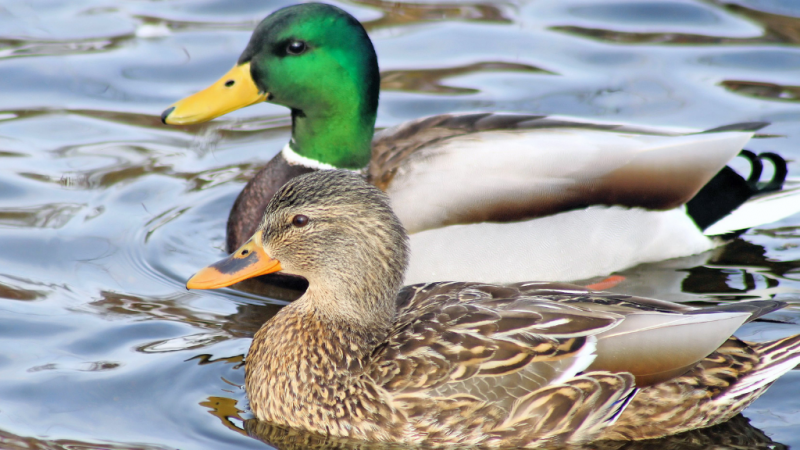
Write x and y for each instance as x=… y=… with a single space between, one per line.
x=10 y=48
x=104 y=212
x=407 y=13
x=226 y=411
x=247 y=319
x=430 y=80
x=737 y=433
x=12 y=441
x=95 y=366
x=11 y=292
x=775 y=29
x=778 y=28
x=741 y=270
x=50 y=215
x=758 y=89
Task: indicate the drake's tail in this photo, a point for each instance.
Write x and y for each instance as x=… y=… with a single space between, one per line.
x=729 y=203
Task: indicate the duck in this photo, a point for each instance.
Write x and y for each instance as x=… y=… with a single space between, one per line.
x=359 y=356
x=610 y=196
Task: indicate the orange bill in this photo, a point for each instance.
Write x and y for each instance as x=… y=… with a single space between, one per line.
x=249 y=261
x=235 y=90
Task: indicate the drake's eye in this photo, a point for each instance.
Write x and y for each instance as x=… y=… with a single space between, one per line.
x=296 y=47
x=300 y=220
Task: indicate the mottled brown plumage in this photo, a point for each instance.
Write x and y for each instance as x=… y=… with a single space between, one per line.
x=455 y=363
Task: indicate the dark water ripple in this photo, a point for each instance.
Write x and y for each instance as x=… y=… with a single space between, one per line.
x=104 y=212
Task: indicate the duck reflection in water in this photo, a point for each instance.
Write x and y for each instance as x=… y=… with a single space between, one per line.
x=735 y=434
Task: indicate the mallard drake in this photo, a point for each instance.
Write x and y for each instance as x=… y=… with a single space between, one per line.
x=609 y=196
x=359 y=356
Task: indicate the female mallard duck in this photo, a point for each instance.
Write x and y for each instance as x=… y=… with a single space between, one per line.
x=609 y=196
x=466 y=363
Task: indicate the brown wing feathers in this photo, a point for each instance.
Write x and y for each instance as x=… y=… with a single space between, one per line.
x=444 y=339
x=501 y=350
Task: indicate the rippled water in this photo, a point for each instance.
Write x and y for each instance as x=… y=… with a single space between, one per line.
x=104 y=212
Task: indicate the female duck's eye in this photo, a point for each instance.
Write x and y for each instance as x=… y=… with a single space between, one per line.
x=300 y=220
x=296 y=47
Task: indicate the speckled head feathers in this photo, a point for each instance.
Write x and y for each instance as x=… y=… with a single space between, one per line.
x=330 y=189
x=348 y=241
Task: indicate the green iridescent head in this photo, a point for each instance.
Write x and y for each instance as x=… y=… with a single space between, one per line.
x=316 y=60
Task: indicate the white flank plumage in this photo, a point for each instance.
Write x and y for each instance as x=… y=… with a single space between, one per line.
x=567 y=246
x=544 y=165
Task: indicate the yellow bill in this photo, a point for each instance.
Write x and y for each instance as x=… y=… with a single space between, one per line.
x=236 y=89
x=249 y=261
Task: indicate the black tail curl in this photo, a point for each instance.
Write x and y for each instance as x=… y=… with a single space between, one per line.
x=757 y=166
x=728 y=190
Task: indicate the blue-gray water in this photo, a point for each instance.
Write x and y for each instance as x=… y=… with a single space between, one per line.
x=104 y=211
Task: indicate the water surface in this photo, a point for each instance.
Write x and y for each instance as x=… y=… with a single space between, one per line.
x=104 y=212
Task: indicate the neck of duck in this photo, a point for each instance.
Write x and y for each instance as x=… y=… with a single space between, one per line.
x=369 y=312
x=311 y=354
x=340 y=137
